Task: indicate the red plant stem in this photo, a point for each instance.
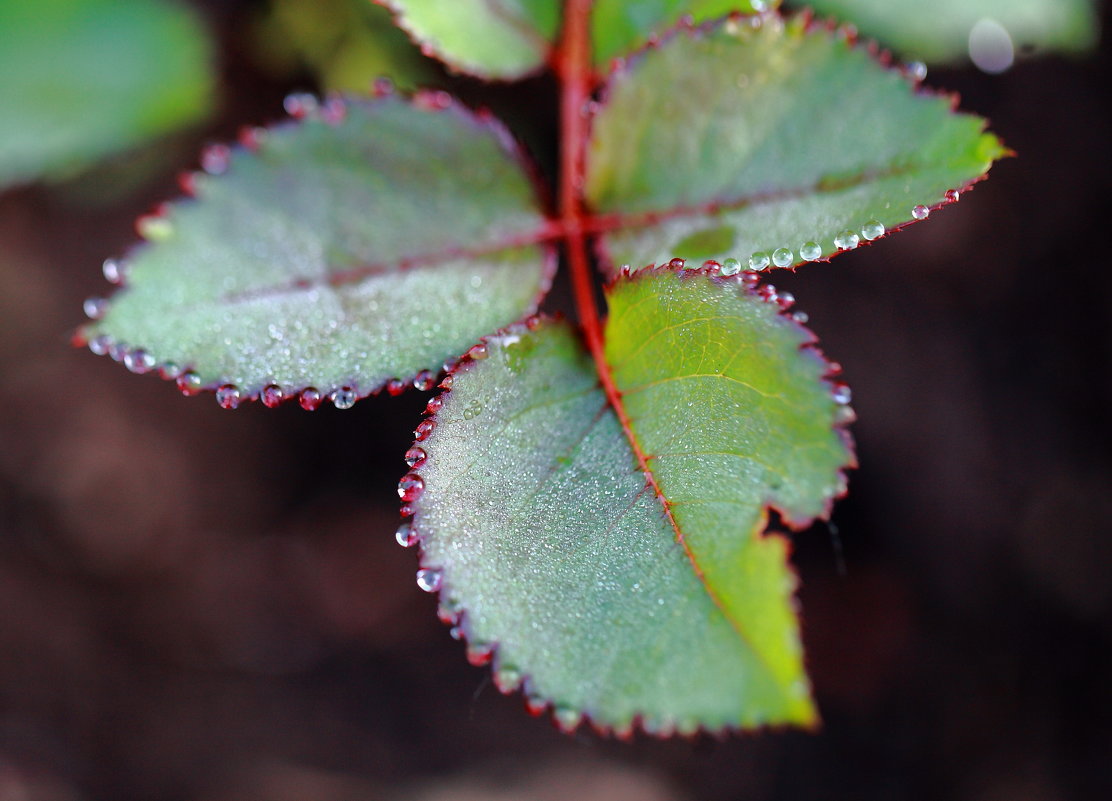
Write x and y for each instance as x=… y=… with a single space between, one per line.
x=574 y=65
x=573 y=60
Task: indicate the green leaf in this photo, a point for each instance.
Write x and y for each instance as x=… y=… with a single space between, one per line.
x=340 y=254
x=940 y=31
x=348 y=44
x=610 y=601
x=768 y=134
x=499 y=39
x=84 y=79
x=619 y=27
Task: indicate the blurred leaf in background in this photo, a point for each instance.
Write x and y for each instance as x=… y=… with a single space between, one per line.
x=81 y=80
x=988 y=32
x=345 y=44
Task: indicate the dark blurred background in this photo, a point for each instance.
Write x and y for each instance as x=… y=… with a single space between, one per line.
x=202 y=605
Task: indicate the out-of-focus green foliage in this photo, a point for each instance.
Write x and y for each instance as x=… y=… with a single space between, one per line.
x=939 y=30
x=84 y=79
x=347 y=44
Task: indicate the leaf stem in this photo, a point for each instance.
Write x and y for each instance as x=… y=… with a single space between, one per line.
x=573 y=61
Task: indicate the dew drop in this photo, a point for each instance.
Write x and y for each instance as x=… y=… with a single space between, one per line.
x=424 y=381
x=395 y=386
x=405 y=535
x=990 y=46
x=415 y=457
x=786 y=299
x=847 y=240
x=447 y=382
x=310 y=399
x=711 y=264
x=800 y=317
x=100 y=345
x=841 y=394
x=139 y=361
x=782 y=257
x=95 y=307
x=873 y=229
x=343 y=398
x=535 y=705
x=434 y=405
x=169 y=370
x=424 y=428
x=920 y=212
x=299 y=104
x=677 y=264
x=508 y=678
x=479 y=653
x=567 y=719
x=731 y=267
x=759 y=261
x=429 y=579
x=845 y=415
x=115 y=271
x=189 y=383
x=953 y=195
x=215 y=158
x=272 y=395
x=456 y=633
x=410 y=487
x=117 y=351
x=228 y=396
x=810 y=251
x=478 y=352
x=917 y=70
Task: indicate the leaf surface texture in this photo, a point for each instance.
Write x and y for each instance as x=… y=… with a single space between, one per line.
x=762 y=134
x=612 y=601
x=342 y=253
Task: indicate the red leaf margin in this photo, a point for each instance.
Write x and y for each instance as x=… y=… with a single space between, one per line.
x=218 y=159
x=483 y=653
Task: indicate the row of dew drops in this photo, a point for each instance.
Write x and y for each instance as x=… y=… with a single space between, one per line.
x=228 y=396
x=430 y=579
x=411 y=487
x=812 y=251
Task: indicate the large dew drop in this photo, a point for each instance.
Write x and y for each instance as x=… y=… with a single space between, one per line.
x=873 y=229
x=782 y=257
x=228 y=396
x=429 y=579
x=410 y=487
x=343 y=398
x=810 y=251
x=847 y=240
x=730 y=267
x=405 y=535
x=139 y=361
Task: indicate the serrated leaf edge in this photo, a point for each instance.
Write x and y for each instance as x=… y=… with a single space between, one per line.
x=217 y=159
x=480 y=653
x=431 y=49
x=600 y=224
